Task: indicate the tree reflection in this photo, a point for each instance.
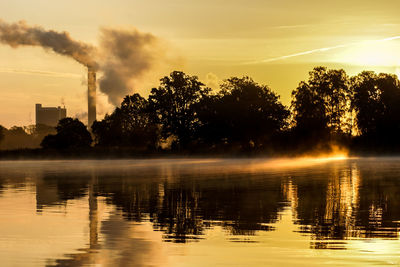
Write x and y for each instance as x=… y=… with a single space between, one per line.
x=333 y=202
x=351 y=203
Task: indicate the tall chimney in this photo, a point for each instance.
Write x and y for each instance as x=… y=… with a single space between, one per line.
x=91 y=96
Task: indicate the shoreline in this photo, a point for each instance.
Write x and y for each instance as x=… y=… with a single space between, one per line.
x=117 y=154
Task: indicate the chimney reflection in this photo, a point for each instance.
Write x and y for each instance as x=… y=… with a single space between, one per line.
x=93 y=214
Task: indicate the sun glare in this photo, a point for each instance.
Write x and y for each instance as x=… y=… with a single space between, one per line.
x=299 y=162
x=331 y=158
x=371 y=54
x=397 y=72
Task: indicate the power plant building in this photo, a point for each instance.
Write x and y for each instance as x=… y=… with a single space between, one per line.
x=49 y=115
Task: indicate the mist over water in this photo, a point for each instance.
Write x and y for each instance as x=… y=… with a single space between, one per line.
x=200 y=212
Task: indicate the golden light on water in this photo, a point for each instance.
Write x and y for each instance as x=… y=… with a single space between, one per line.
x=329 y=213
x=331 y=158
x=336 y=155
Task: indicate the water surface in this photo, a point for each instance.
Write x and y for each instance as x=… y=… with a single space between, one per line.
x=200 y=212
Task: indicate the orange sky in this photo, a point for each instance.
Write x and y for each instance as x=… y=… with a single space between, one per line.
x=213 y=39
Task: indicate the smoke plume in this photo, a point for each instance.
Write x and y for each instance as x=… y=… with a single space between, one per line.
x=20 y=34
x=127 y=56
x=122 y=58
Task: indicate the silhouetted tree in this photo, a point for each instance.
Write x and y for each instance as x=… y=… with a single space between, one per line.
x=173 y=105
x=376 y=102
x=129 y=125
x=244 y=112
x=41 y=130
x=24 y=137
x=212 y=122
x=309 y=115
x=16 y=138
x=321 y=106
x=243 y=115
x=2 y=130
x=332 y=86
x=38 y=132
x=71 y=133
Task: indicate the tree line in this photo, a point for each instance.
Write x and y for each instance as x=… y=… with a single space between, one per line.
x=18 y=137
x=182 y=114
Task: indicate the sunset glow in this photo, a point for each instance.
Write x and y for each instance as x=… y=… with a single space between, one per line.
x=371 y=54
x=199 y=133
x=218 y=43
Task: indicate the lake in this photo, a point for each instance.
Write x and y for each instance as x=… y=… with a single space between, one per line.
x=200 y=212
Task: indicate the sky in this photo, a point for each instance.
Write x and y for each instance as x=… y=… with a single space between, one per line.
x=276 y=42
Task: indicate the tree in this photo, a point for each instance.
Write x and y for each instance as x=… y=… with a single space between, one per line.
x=309 y=113
x=71 y=133
x=23 y=137
x=17 y=137
x=212 y=123
x=332 y=86
x=37 y=132
x=244 y=112
x=173 y=105
x=2 y=132
x=376 y=101
x=129 y=125
x=321 y=106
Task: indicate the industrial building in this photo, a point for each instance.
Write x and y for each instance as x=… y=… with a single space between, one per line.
x=49 y=115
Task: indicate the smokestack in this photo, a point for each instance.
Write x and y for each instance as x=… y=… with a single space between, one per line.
x=91 y=96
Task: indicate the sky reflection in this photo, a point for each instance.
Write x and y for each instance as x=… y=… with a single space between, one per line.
x=161 y=213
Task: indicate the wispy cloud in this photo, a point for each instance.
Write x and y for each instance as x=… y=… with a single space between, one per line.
x=41 y=73
x=322 y=49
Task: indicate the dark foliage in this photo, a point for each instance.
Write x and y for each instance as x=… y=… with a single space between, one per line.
x=183 y=115
x=244 y=113
x=2 y=131
x=24 y=137
x=173 y=105
x=321 y=107
x=376 y=104
x=128 y=126
x=71 y=133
